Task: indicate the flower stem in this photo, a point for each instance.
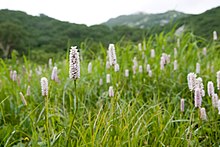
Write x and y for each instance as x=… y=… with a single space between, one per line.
x=47 y=120
x=68 y=136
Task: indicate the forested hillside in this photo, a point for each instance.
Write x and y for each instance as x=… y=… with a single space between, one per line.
x=24 y=32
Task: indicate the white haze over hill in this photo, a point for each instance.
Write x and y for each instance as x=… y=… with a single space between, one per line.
x=97 y=11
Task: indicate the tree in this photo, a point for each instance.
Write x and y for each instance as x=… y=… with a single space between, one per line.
x=11 y=36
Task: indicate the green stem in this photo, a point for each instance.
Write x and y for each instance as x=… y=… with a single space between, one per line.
x=47 y=121
x=76 y=96
x=68 y=136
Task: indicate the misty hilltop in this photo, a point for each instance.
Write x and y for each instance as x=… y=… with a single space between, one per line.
x=144 y=20
x=201 y=24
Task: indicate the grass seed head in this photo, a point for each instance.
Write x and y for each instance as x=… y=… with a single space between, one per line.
x=23 y=99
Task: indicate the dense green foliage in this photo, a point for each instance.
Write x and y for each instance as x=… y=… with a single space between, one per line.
x=145 y=111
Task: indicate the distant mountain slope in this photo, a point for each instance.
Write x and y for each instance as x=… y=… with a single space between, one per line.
x=143 y=20
x=203 y=24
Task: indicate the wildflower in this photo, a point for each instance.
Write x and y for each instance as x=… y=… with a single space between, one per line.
x=162 y=63
x=166 y=58
x=135 y=65
x=218 y=106
x=191 y=78
x=112 y=55
x=111 y=91
x=108 y=78
x=148 y=67
x=107 y=65
x=218 y=80
x=90 y=67
x=140 y=69
x=44 y=86
x=134 y=69
x=182 y=105
x=100 y=81
x=23 y=99
x=197 y=98
x=139 y=47
x=74 y=64
x=152 y=53
x=203 y=114
x=215 y=36
x=197 y=68
x=200 y=85
x=210 y=89
x=14 y=76
x=38 y=70
x=28 y=92
x=175 y=52
x=126 y=73
x=204 y=51
x=215 y=100
x=150 y=73
x=54 y=75
x=50 y=63
x=175 y=65
x=116 y=67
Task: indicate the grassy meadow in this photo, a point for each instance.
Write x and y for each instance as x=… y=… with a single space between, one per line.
x=144 y=111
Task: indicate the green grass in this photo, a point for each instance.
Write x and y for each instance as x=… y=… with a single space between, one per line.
x=145 y=111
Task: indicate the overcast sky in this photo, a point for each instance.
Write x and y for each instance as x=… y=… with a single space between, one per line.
x=97 y=11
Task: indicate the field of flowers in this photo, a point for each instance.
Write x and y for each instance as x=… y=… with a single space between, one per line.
x=161 y=92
